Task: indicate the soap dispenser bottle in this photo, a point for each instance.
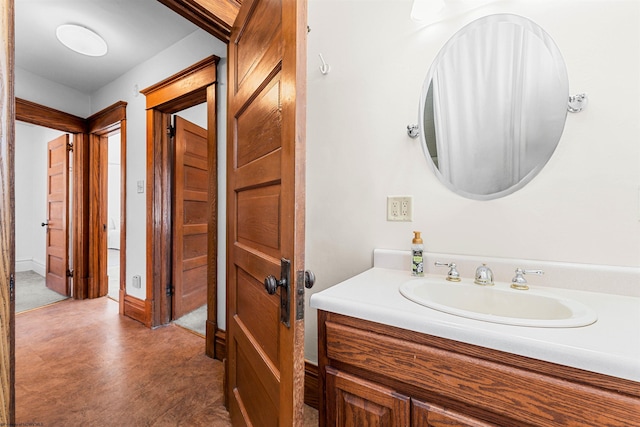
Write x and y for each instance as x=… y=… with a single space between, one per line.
x=417 y=260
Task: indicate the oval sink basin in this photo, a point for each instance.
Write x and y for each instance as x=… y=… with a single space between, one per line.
x=499 y=304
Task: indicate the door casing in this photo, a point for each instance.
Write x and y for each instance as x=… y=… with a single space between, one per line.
x=190 y=87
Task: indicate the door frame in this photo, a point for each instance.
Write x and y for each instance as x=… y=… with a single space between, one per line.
x=101 y=125
x=190 y=87
x=36 y=114
x=85 y=259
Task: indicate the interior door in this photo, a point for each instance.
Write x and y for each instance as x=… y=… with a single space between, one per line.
x=57 y=223
x=191 y=180
x=265 y=213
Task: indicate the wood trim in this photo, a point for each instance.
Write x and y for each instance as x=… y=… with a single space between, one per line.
x=101 y=125
x=104 y=121
x=137 y=309
x=214 y=16
x=191 y=86
x=311 y=372
x=40 y=115
x=80 y=215
x=36 y=114
x=95 y=236
x=7 y=216
x=183 y=89
x=212 y=235
x=311 y=385
x=158 y=217
x=123 y=209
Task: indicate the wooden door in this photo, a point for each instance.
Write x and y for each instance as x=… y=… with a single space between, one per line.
x=265 y=212
x=57 y=239
x=191 y=180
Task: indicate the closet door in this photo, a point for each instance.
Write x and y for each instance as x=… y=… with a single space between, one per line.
x=57 y=223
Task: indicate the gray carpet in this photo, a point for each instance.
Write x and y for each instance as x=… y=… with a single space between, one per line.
x=31 y=292
x=194 y=321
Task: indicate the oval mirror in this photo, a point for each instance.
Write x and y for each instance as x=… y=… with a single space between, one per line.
x=493 y=106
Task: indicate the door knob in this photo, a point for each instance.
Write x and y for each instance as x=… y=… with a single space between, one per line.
x=309 y=279
x=44 y=224
x=271 y=284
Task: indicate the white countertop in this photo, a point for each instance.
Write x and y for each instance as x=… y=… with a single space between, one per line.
x=610 y=346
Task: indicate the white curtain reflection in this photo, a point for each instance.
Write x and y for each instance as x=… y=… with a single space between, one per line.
x=497 y=95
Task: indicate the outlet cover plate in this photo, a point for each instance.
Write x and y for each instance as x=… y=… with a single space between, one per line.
x=400 y=208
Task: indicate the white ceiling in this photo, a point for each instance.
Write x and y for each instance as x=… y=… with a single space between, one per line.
x=135 y=30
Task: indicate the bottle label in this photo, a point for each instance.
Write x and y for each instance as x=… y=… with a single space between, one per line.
x=417 y=263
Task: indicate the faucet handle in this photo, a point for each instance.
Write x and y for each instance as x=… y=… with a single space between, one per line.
x=452 y=275
x=519 y=282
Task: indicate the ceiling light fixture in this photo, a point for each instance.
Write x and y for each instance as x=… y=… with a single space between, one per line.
x=81 y=40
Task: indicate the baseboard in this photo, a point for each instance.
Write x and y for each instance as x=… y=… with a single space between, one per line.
x=137 y=309
x=220 y=345
x=311 y=385
x=311 y=382
x=30 y=265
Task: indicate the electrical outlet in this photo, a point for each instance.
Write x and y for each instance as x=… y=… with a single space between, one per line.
x=399 y=208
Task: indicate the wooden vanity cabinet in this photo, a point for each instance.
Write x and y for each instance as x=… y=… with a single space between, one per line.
x=377 y=375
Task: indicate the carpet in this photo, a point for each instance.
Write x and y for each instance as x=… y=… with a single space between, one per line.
x=194 y=321
x=31 y=292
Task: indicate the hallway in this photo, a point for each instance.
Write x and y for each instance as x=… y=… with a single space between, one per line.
x=81 y=363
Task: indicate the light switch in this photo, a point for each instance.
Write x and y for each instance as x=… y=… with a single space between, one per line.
x=141 y=186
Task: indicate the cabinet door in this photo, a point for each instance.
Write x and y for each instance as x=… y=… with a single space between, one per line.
x=354 y=402
x=429 y=415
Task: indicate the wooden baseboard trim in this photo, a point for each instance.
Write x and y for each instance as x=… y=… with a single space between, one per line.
x=138 y=309
x=311 y=382
x=220 y=344
x=311 y=385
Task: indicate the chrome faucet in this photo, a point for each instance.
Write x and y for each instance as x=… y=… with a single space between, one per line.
x=484 y=276
x=519 y=282
x=452 y=275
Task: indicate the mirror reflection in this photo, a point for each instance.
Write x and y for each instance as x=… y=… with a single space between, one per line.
x=493 y=106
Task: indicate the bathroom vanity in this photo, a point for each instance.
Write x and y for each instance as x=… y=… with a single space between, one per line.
x=386 y=361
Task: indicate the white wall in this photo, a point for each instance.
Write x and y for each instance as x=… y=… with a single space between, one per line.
x=183 y=54
x=45 y=92
x=31 y=195
x=584 y=205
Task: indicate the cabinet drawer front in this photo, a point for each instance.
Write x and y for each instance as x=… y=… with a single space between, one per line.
x=503 y=390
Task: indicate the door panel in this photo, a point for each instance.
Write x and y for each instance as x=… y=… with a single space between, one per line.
x=191 y=218
x=57 y=253
x=265 y=211
x=354 y=402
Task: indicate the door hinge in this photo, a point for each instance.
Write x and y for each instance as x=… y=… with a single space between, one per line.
x=169 y=290
x=171 y=131
x=70 y=146
x=12 y=287
x=69 y=273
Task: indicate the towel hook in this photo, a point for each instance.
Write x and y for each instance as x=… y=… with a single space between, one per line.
x=324 y=68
